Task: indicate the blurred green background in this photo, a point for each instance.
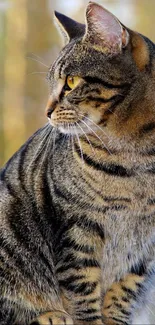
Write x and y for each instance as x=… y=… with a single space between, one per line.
x=29 y=43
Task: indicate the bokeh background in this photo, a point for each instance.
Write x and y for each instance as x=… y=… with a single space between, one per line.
x=29 y=43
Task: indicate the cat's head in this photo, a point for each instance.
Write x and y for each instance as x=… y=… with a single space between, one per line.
x=100 y=76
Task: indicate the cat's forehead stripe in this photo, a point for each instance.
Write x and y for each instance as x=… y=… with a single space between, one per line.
x=62 y=62
x=58 y=69
x=59 y=64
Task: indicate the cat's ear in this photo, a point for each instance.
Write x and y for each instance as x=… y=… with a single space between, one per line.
x=69 y=28
x=103 y=30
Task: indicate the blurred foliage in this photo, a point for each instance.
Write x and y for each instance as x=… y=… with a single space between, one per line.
x=29 y=43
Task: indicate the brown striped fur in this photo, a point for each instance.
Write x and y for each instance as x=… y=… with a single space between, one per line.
x=77 y=203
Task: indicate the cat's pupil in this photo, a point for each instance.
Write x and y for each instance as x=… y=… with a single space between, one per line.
x=66 y=87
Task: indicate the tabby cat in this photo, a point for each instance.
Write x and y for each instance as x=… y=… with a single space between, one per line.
x=77 y=201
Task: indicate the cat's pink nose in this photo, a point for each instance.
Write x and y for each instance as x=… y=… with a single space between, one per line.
x=51 y=105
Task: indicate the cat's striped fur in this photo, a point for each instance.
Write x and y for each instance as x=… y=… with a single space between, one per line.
x=77 y=203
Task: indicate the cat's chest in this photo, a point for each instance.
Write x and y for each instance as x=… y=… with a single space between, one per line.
x=122 y=249
x=123 y=207
x=127 y=248
x=129 y=242
x=112 y=196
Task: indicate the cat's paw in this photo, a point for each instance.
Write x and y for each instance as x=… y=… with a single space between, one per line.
x=53 y=318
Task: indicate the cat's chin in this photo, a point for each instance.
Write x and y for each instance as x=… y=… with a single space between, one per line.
x=84 y=126
x=72 y=130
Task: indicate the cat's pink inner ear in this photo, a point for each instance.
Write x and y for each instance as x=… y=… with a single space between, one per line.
x=104 y=29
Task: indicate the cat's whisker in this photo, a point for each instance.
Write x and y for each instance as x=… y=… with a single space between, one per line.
x=73 y=149
x=94 y=153
x=46 y=146
x=79 y=142
x=37 y=56
x=46 y=135
x=40 y=149
x=114 y=113
x=90 y=120
x=28 y=57
x=69 y=137
x=86 y=137
x=97 y=137
x=69 y=140
x=54 y=138
x=72 y=139
x=41 y=145
x=36 y=72
x=150 y=310
x=53 y=147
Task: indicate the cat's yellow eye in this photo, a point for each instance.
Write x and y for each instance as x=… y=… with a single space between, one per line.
x=72 y=81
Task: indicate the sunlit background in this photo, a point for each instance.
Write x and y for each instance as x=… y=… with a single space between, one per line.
x=29 y=43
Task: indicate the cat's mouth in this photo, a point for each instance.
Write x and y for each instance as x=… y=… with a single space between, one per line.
x=82 y=125
x=72 y=120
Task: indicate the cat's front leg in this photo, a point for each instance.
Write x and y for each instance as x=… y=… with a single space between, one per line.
x=53 y=318
x=79 y=276
x=120 y=299
x=82 y=296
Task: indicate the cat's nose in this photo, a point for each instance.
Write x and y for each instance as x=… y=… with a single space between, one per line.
x=48 y=114
x=50 y=107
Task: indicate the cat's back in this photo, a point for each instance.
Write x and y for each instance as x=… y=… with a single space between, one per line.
x=26 y=161
x=22 y=178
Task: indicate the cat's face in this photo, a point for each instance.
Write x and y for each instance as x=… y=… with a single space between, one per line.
x=97 y=74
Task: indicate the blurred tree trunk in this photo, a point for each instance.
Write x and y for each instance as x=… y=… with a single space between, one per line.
x=14 y=76
x=144 y=13
x=28 y=33
x=40 y=39
x=2 y=56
